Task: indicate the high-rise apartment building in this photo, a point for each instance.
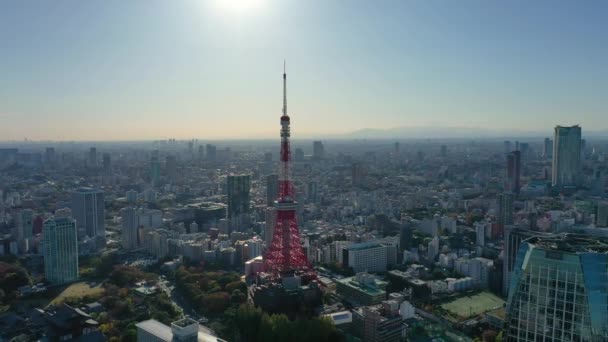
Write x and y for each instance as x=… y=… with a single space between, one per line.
x=25 y=224
x=548 y=148
x=318 y=151
x=88 y=210
x=155 y=169
x=92 y=158
x=299 y=155
x=602 y=215
x=505 y=209
x=130 y=228
x=559 y=290
x=171 y=166
x=513 y=172
x=272 y=189
x=211 y=152
x=60 y=243
x=238 y=187
x=366 y=257
x=566 y=156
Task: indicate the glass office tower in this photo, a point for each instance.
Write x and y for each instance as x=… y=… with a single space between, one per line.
x=559 y=290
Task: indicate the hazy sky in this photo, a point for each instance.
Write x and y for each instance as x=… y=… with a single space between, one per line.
x=154 y=69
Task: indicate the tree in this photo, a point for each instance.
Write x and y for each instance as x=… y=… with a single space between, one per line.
x=489 y=336
x=238 y=297
x=217 y=302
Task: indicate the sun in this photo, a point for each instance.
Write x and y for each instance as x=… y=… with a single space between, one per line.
x=239 y=6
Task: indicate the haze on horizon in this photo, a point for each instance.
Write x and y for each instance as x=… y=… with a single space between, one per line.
x=130 y=70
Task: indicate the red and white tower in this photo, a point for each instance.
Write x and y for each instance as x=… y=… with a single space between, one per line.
x=285 y=254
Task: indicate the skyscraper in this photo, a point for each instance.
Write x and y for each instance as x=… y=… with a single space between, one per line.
x=505 y=209
x=26 y=224
x=130 y=228
x=566 y=155
x=88 y=209
x=299 y=155
x=602 y=215
x=513 y=237
x=92 y=159
x=318 y=151
x=155 y=168
x=272 y=189
x=171 y=165
x=548 y=148
x=60 y=243
x=513 y=171
x=558 y=290
x=211 y=152
x=238 y=195
x=107 y=163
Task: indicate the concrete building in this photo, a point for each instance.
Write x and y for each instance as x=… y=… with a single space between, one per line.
x=318 y=150
x=559 y=290
x=366 y=257
x=88 y=210
x=602 y=215
x=548 y=148
x=130 y=228
x=514 y=235
x=362 y=289
x=505 y=209
x=513 y=172
x=25 y=224
x=566 y=156
x=60 y=250
x=479 y=270
x=433 y=249
x=272 y=189
x=184 y=330
x=480 y=234
x=379 y=323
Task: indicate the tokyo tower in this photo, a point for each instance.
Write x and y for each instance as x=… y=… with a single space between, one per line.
x=285 y=254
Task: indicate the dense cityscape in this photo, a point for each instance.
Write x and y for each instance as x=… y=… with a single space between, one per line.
x=306 y=171
x=370 y=240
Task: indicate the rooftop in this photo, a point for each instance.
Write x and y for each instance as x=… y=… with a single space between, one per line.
x=372 y=290
x=364 y=245
x=570 y=243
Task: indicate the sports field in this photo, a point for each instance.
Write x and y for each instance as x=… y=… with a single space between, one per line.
x=469 y=306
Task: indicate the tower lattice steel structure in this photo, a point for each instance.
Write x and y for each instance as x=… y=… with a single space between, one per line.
x=285 y=254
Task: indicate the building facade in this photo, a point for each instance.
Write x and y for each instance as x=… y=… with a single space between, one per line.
x=559 y=290
x=88 y=210
x=60 y=250
x=566 y=156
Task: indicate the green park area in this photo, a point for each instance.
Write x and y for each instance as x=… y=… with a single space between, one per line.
x=469 y=306
x=78 y=291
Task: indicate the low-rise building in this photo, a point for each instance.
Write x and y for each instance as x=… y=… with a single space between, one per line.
x=362 y=289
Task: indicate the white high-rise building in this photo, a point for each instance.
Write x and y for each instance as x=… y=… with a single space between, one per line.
x=566 y=155
x=367 y=257
x=60 y=245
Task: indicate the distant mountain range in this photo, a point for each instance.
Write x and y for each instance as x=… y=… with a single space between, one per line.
x=437 y=132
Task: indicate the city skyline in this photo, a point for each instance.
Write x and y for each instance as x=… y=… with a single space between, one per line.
x=208 y=70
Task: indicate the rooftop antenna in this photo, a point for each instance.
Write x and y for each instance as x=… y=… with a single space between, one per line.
x=284 y=89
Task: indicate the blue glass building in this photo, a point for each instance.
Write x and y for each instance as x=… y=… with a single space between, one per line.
x=559 y=290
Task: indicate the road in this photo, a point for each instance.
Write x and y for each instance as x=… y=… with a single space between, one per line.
x=168 y=287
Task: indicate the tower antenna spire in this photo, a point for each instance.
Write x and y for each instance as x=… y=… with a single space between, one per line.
x=284 y=89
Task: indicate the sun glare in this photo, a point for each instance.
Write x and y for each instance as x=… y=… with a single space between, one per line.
x=239 y=6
